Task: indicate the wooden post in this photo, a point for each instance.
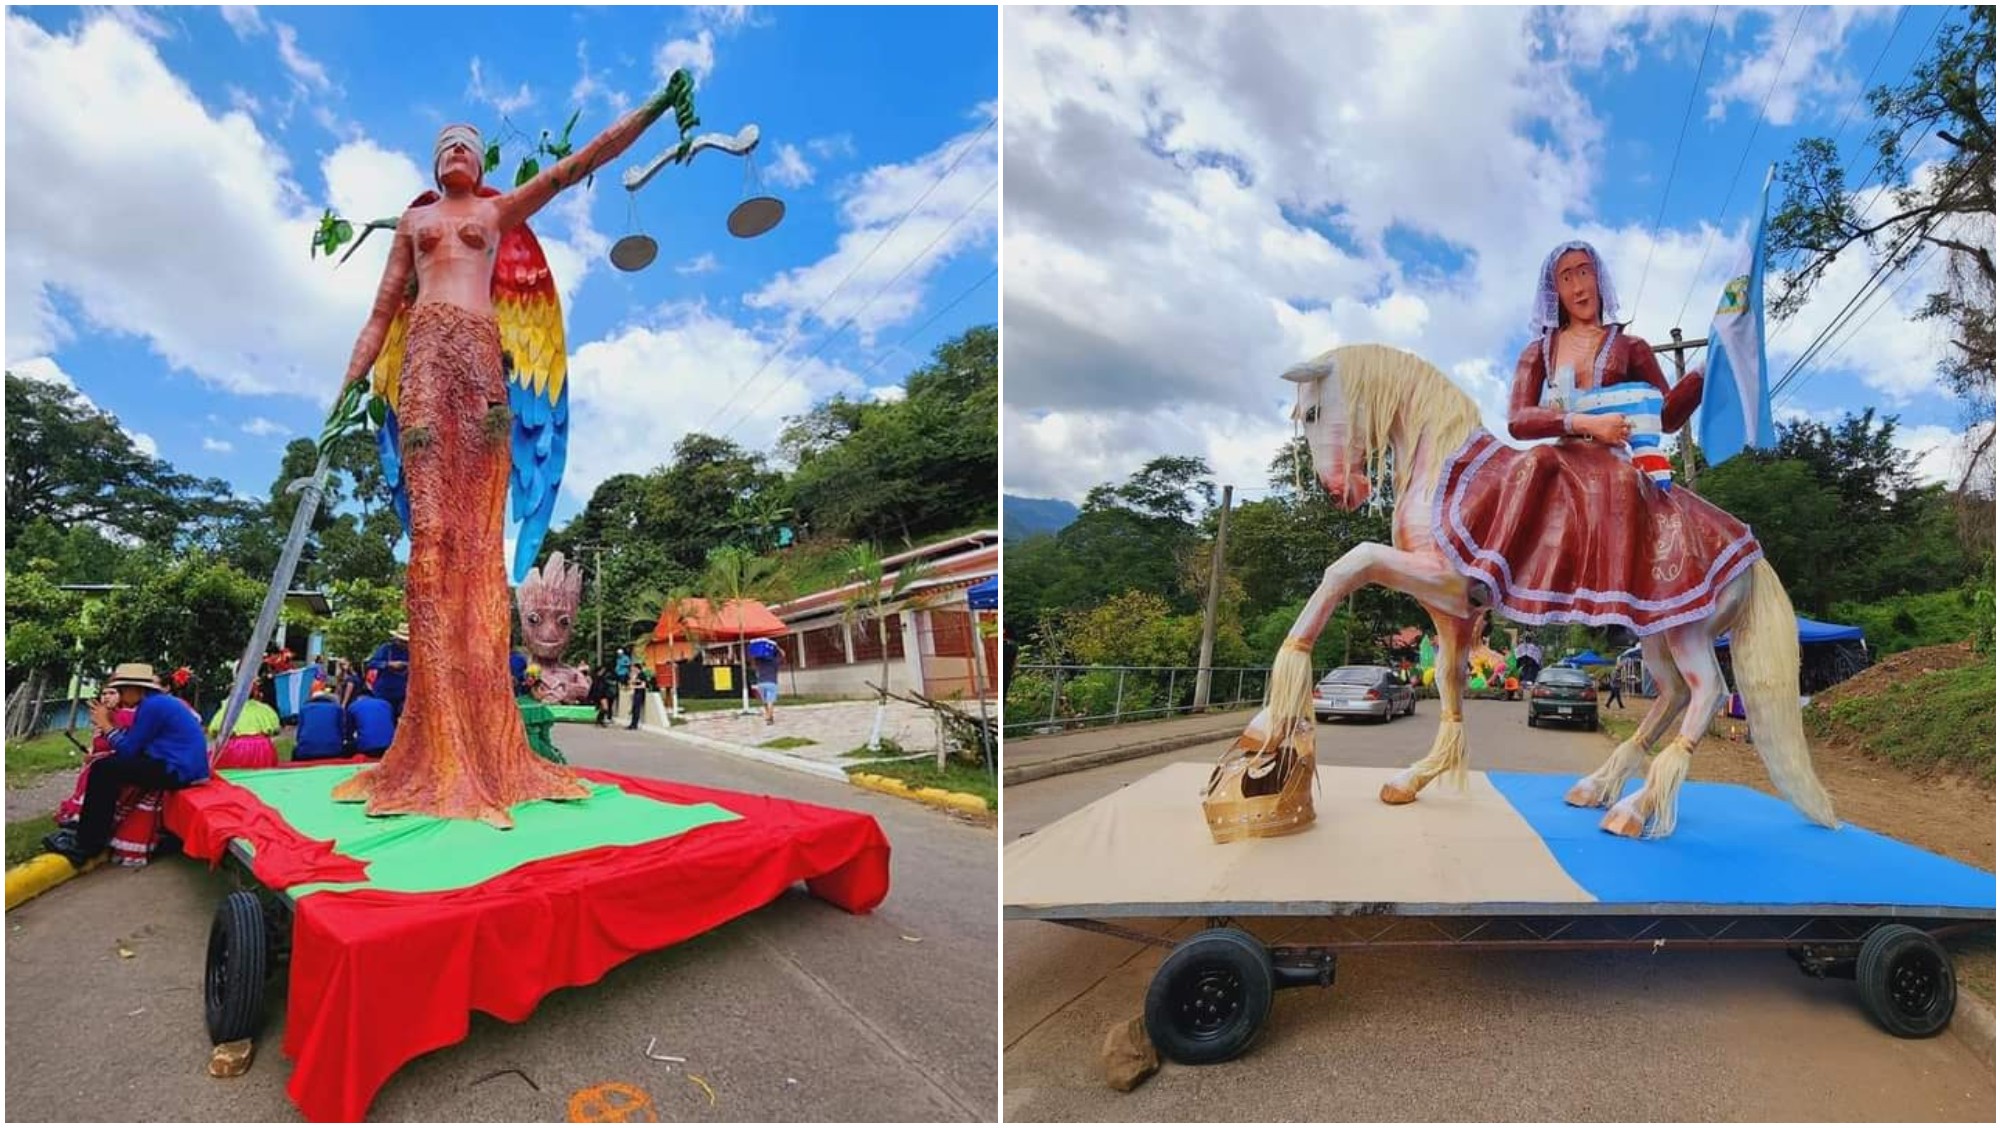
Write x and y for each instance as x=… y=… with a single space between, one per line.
x=1202 y=678
x=1680 y=350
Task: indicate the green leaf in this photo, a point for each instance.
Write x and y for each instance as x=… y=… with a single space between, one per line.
x=493 y=156
x=569 y=125
x=342 y=232
x=378 y=411
x=529 y=168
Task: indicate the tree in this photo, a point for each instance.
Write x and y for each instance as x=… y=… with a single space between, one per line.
x=193 y=612
x=1797 y=520
x=736 y=574
x=71 y=464
x=902 y=470
x=874 y=594
x=1950 y=97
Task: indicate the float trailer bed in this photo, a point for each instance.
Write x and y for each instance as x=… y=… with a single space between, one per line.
x=1503 y=865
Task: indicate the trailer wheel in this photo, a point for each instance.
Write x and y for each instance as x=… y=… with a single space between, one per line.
x=1907 y=981
x=233 y=984
x=1210 y=997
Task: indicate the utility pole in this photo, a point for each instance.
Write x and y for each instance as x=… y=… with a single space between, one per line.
x=1680 y=349
x=1204 y=676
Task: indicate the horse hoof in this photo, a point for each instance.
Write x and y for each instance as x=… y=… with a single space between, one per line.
x=1585 y=793
x=1624 y=823
x=1396 y=795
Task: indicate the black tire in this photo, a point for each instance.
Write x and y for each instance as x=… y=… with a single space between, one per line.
x=238 y=958
x=1531 y=720
x=1210 y=998
x=1907 y=981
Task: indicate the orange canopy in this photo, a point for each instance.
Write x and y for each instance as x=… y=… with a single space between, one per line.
x=737 y=619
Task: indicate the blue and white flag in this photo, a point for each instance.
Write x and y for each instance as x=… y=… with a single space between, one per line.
x=1736 y=397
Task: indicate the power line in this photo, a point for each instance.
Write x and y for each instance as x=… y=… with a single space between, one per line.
x=918 y=331
x=884 y=288
x=1907 y=75
x=1693 y=89
x=852 y=271
x=1826 y=359
x=1740 y=162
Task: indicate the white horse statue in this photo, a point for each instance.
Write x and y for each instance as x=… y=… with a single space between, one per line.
x=1367 y=410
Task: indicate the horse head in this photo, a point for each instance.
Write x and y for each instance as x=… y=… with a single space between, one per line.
x=1323 y=412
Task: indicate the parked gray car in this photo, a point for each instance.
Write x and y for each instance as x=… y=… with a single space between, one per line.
x=1363 y=691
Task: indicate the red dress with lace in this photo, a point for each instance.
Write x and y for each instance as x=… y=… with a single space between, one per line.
x=1571 y=531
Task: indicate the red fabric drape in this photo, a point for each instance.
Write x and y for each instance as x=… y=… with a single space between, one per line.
x=380 y=978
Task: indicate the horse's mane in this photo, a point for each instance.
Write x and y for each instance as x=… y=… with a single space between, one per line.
x=1381 y=385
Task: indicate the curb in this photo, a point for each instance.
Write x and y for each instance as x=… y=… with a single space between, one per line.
x=769 y=756
x=1082 y=761
x=936 y=797
x=40 y=874
x=1972 y=1024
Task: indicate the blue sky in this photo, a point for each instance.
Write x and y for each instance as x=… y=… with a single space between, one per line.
x=168 y=166
x=1295 y=179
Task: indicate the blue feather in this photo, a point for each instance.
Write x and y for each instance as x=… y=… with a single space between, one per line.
x=538 y=447
x=389 y=444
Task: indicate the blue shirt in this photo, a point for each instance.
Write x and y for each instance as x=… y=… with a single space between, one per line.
x=370 y=724
x=169 y=732
x=624 y=666
x=322 y=731
x=393 y=684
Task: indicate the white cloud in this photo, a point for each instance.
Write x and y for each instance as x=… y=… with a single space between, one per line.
x=1265 y=161
x=258 y=425
x=637 y=392
x=244 y=102
x=243 y=19
x=1943 y=453
x=839 y=146
x=956 y=210
x=790 y=170
x=219 y=446
x=695 y=55
x=590 y=84
x=303 y=66
x=204 y=262
x=703 y=263
x=496 y=95
x=1791 y=70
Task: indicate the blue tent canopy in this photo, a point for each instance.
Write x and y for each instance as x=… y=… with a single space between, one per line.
x=1812 y=630
x=984 y=595
x=1587 y=658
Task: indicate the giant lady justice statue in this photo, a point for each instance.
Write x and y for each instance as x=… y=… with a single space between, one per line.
x=471 y=363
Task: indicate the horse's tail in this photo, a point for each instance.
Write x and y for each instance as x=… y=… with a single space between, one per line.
x=1766 y=656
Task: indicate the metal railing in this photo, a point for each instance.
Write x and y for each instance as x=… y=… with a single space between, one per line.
x=1045 y=699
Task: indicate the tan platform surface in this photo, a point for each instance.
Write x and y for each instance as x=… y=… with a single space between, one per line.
x=1145 y=850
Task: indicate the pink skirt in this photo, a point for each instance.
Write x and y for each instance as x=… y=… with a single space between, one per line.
x=247 y=752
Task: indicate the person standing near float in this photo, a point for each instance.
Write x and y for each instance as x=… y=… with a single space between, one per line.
x=390 y=667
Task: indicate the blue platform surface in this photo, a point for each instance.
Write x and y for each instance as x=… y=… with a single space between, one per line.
x=1736 y=846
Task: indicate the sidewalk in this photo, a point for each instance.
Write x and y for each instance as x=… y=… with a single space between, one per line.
x=1030 y=758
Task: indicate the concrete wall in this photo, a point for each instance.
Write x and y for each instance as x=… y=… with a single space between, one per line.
x=844 y=681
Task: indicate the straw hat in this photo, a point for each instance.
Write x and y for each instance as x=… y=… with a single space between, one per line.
x=136 y=674
x=401 y=633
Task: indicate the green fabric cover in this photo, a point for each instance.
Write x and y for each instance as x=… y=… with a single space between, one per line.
x=573 y=712
x=421 y=854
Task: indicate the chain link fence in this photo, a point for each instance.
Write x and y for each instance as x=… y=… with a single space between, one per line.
x=1044 y=699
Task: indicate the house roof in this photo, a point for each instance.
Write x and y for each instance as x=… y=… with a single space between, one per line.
x=961 y=569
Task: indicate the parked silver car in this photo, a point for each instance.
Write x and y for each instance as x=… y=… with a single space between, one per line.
x=1363 y=691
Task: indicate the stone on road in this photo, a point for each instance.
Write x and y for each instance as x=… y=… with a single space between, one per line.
x=797 y=1011
x=1459 y=1035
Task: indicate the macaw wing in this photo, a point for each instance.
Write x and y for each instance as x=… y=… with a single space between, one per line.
x=532 y=347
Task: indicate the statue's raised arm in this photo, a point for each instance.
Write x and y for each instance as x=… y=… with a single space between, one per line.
x=517 y=206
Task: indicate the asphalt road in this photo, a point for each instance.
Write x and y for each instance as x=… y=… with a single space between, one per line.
x=1467 y=1036
x=797 y=1011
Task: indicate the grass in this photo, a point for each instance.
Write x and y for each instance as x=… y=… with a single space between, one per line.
x=956 y=776
x=31 y=759
x=1619 y=729
x=1940 y=719
x=783 y=742
x=24 y=838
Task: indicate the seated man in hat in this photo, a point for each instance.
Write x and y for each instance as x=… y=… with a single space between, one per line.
x=162 y=750
x=322 y=727
x=391 y=666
